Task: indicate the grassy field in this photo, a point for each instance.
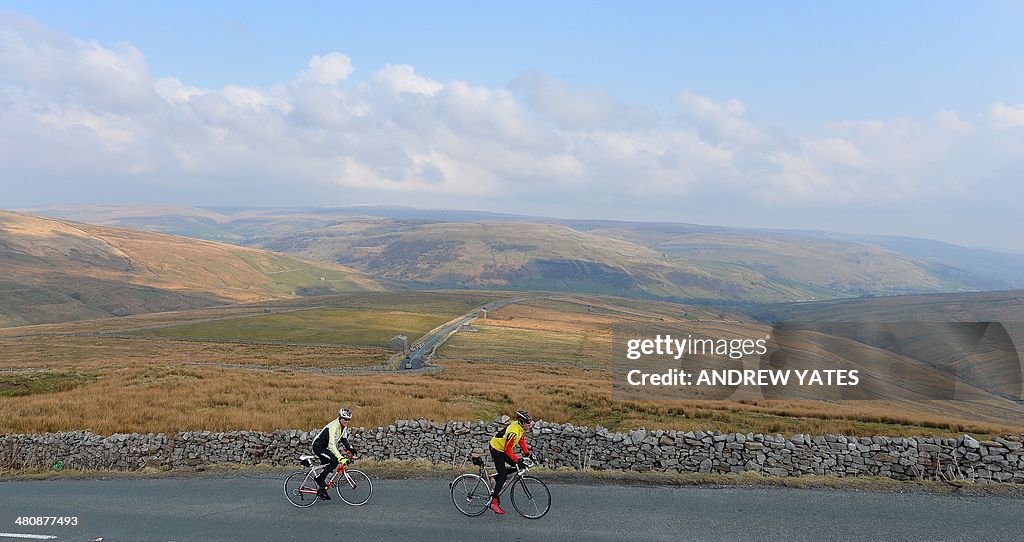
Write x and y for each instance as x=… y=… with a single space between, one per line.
x=170 y=397
x=32 y=382
x=316 y=326
x=546 y=354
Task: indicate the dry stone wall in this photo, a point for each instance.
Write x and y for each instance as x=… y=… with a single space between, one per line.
x=904 y=458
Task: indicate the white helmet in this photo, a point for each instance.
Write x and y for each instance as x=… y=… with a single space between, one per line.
x=345 y=414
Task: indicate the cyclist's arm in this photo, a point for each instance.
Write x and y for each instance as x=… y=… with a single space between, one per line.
x=509 y=444
x=346 y=445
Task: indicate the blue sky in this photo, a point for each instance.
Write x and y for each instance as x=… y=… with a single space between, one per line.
x=902 y=118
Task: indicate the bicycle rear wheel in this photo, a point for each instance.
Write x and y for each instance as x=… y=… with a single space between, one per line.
x=300 y=488
x=530 y=497
x=355 y=489
x=471 y=494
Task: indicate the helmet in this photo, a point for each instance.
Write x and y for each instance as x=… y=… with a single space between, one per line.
x=523 y=417
x=345 y=414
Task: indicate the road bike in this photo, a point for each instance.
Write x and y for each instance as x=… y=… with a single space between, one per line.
x=471 y=492
x=353 y=486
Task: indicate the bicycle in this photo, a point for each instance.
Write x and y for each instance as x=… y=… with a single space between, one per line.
x=353 y=486
x=471 y=493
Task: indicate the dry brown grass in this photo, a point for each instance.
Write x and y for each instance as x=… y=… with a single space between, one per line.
x=499 y=344
x=529 y=316
x=148 y=385
x=166 y=396
x=532 y=332
x=537 y=331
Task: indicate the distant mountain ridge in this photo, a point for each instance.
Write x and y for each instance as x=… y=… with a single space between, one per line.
x=677 y=261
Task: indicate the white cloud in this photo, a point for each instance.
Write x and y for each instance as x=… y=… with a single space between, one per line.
x=493 y=114
x=719 y=121
x=251 y=98
x=907 y=158
x=575 y=109
x=75 y=109
x=329 y=69
x=59 y=66
x=1007 y=116
x=836 y=151
x=114 y=131
x=402 y=78
x=172 y=90
x=950 y=121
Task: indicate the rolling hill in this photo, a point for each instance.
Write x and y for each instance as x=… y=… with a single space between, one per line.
x=519 y=256
x=673 y=261
x=56 y=271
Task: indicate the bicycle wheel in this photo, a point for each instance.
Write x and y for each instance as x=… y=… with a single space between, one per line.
x=355 y=489
x=530 y=497
x=300 y=488
x=471 y=494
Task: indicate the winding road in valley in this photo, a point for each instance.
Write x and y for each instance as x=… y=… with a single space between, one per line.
x=426 y=345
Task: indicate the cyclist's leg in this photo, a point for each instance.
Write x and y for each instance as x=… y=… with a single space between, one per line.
x=330 y=463
x=500 y=465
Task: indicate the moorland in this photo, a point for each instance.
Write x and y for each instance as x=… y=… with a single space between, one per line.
x=113 y=329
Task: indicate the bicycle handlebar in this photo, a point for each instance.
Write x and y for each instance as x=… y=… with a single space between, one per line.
x=528 y=463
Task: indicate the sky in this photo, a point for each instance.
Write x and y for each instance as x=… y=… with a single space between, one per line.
x=892 y=118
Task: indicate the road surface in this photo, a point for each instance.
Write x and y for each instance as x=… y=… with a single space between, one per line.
x=254 y=508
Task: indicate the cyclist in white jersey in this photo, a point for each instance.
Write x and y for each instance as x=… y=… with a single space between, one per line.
x=325 y=447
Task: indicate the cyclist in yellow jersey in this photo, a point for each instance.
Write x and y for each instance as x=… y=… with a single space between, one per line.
x=502 y=452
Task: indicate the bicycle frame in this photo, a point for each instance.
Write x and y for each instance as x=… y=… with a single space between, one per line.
x=301 y=489
x=519 y=473
x=338 y=472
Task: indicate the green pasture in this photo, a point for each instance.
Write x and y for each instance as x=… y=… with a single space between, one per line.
x=313 y=326
x=442 y=303
x=31 y=383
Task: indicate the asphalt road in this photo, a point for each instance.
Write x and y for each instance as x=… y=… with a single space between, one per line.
x=248 y=508
x=415 y=358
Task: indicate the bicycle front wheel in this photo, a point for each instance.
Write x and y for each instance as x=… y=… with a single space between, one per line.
x=300 y=488
x=354 y=489
x=471 y=494
x=530 y=497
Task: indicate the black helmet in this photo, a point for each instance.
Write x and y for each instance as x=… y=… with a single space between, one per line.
x=523 y=417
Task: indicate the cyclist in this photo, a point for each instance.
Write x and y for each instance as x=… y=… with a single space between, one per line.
x=501 y=451
x=325 y=447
